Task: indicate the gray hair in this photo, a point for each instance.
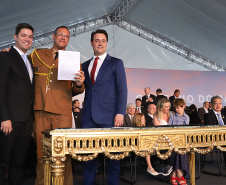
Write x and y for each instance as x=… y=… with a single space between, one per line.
x=215 y=97
x=130 y=105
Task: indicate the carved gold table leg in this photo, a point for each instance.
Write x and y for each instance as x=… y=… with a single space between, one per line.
x=192 y=167
x=58 y=170
x=47 y=170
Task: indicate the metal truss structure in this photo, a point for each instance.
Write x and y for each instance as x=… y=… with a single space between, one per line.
x=169 y=45
x=117 y=18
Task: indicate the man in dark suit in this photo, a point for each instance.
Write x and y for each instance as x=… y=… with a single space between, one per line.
x=128 y=120
x=148 y=98
x=105 y=99
x=150 y=114
x=202 y=111
x=216 y=115
x=77 y=113
x=139 y=108
x=159 y=95
x=16 y=105
x=172 y=98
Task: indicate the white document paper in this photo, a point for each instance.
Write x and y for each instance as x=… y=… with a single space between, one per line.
x=68 y=65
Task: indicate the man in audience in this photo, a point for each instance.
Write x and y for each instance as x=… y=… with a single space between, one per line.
x=159 y=95
x=150 y=114
x=148 y=98
x=210 y=106
x=139 y=108
x=172 y=98
x=77 y=113
x=128 y=120
x=216 y=116
x=202 y=111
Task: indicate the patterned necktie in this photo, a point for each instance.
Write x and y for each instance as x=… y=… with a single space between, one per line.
x=94 y=70
x=219 y=119
x=24 y=56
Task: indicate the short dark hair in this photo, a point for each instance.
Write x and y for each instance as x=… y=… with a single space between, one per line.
x=138 y=99
x=75 y=100
x=179 y=103
x=177 y=90
x=60 y=27
x=159 y=90
x=21 y=26
x=205 y=102
x=99 y=31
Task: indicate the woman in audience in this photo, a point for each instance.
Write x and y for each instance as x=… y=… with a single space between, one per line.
x=139 y=121
x=162 y=112
x=162 y=117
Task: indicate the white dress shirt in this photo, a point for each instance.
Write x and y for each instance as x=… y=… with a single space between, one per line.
x=30 y=71
x=99 y=64
x=206 y=110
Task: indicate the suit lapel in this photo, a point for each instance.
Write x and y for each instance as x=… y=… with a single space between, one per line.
x=86 y=71
x=15 y=56
x=214 y=118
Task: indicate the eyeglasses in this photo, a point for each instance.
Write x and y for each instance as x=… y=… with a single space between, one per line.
x=62 y=35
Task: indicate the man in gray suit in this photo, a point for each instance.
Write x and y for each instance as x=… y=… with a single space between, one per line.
x=128 y=120
x=202 y=111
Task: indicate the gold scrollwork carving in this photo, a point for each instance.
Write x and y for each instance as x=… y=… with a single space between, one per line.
x=142 y=154
x=223 y=149
x=116 y=156
x=205 y=150
x=59 y=158
x=58 y=145
x=83 y=158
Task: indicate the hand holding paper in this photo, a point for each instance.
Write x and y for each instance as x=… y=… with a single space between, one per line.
x=80 y=77
x=69 y=65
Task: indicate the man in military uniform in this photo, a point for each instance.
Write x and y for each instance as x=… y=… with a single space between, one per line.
x=53 y=97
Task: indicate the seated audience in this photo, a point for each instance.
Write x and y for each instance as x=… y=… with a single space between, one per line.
x=150 y=114
x=128 y=119
x=77 y=113
x=162 y=112
x=162 y=117
x=210 y=106
x=193 y=114
x=180 y=162
x=139 y=108
x=139 y=121
x=202 y=111
x=216 y=115
x=159 y=95
x=172 y=98
x=148 y=98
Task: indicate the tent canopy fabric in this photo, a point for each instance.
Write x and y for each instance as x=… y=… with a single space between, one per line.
x=199 y=25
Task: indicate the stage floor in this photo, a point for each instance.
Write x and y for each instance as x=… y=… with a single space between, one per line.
x=143 y=178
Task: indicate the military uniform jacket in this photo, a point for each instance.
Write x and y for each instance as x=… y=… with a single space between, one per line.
x=51 y=95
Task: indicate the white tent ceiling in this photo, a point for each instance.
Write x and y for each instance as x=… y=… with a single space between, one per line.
x=199 y=25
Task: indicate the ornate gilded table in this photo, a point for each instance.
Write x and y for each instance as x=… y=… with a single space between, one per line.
x=142 y=141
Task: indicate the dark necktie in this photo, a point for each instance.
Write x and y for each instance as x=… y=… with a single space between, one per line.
x=94 y=70
x=56 y=56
